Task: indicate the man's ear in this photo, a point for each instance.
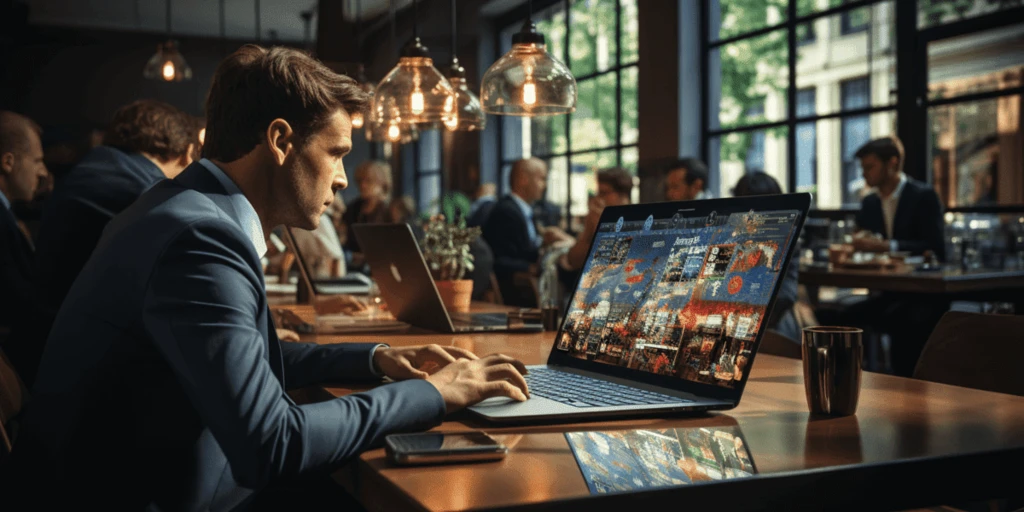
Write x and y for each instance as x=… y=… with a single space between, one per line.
x=280 y=140
x=7 y=163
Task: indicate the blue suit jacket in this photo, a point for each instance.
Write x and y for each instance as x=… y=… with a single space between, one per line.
x=101 y=186
x=163 y=382
x=918 y=225
x=509 y=237
x=22 y=308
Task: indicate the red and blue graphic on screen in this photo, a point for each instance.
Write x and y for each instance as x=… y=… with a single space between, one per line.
x=685 y=300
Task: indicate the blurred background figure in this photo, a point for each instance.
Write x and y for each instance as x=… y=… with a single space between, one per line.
x=483 y=202
x=373 y=178
x=147 y=141
x=403 y=210
x=686 y=179
x=782 y=318
x=22 y=308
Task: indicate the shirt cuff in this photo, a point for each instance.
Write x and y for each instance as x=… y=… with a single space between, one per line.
x=894 y=246
x=373 y=370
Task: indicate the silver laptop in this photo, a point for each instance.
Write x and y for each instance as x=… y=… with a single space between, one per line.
x=401 y=273
x=353 y=284
x=668 y=312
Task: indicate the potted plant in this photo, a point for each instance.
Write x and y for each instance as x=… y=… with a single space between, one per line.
x=445 y=246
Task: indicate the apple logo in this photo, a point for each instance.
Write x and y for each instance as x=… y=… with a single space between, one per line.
x=394 y=272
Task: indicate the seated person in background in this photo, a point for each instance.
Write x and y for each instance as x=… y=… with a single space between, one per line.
x=147 y=141
x=403 y=210
x=163 y=386
x=614 y=188
x=23 y=309
x=686 y=179
x=482 y=205
x=547 y=214
x=902 y=214
x=782 y=318
x=373 y=178
x=512 y=233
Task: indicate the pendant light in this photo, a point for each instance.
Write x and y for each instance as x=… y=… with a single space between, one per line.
x=358 y=118
x=528 y=81
x=468 y=115
x=394 y=129
x=414 y=92
x=167 y=64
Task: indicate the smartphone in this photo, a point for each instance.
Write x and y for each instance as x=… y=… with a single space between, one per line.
x=441 y=448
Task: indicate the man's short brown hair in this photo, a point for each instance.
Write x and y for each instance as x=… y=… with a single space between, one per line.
x=14 y=132
x=618 y=179
x=884 y=148
x=256 y=85
x=152 y=127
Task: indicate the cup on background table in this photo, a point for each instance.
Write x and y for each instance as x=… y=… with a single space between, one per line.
x=832 y=369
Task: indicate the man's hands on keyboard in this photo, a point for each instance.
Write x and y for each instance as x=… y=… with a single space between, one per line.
x=465 y=382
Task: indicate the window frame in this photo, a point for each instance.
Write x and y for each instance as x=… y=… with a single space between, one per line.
x=514 y=19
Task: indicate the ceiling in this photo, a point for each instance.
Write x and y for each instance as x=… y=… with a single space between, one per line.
x=195 y=17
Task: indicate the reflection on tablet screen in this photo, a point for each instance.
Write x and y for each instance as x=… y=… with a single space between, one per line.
x=631 y=460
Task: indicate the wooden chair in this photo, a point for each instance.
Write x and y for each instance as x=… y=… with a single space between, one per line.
x=13 y=395
x=493 y=295
x=977 y=351
x=778 y=344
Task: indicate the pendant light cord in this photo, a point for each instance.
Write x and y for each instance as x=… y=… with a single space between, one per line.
x=259 y=32
x=530 y=3
x=391 y=13
x=455 y=39
x=168 y=19
x=415 y=14
x=359 y=22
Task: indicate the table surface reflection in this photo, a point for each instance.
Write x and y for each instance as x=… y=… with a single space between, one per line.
x=902 y=425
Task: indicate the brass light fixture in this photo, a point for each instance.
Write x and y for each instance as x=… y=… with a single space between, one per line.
x=414 y=92
x=528 y=81
x=167 y=64
x=468 y=115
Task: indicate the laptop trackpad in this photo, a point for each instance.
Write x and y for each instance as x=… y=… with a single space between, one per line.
x=498 y=400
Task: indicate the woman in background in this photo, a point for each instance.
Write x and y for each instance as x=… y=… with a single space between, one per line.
x=373 y=178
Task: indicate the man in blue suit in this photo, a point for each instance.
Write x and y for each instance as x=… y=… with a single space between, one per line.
x=147 y=141
x=901 y=215
x=162 y=385
x=22 y=308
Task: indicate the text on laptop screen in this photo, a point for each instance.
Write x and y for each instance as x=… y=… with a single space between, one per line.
x=683 y=297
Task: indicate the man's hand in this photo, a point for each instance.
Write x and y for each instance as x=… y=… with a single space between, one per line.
x=595 y=207
x=404 y=363
x=287 y=335
x=554 y=234
x=346 y=304
x=466 y=382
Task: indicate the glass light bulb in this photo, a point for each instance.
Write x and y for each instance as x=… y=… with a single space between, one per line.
x=394 y=133
x=452 y=122
x=357 y=120
x=416 y=102
x=529 y=93
x=168 y=71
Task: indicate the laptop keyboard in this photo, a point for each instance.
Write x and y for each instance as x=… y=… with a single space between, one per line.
x=579 y=391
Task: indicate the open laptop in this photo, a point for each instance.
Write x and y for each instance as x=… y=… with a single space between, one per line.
x=668 y=313
x=337 y=323
x=401 y=273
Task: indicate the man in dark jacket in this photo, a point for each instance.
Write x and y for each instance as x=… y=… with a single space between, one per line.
x=147 y=141
x=22 y=309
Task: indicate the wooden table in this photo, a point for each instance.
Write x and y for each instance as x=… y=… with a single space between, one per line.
x=947 y=282
x=912 y=443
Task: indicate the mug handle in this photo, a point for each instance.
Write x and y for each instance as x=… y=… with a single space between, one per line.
x=824 y=379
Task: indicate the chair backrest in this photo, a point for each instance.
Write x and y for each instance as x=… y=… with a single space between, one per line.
x=778 y=344
x=13 y=396
x=976 y=351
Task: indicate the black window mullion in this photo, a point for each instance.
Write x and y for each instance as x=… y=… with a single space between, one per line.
x=791 y=99
x=568 y=122
x=618 y=83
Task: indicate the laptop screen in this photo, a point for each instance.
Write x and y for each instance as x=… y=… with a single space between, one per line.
x=681 y=297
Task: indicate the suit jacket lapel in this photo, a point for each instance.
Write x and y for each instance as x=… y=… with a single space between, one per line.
x=24 y=249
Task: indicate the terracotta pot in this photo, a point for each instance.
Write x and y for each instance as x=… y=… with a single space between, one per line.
x=456 y=295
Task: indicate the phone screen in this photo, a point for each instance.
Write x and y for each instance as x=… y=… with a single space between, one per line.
x=430 y=442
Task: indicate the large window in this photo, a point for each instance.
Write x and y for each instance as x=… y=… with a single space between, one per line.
x=603 y=52
x=794 y=87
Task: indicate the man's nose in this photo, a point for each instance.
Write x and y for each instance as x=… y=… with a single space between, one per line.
x=340 y=182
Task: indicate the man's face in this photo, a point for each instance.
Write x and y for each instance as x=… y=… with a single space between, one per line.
x=676 y=188
x=534 y=183
x=875 y=171
x=610 y=196
x=314 y=172
x=369 y=186
x=25 y=169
